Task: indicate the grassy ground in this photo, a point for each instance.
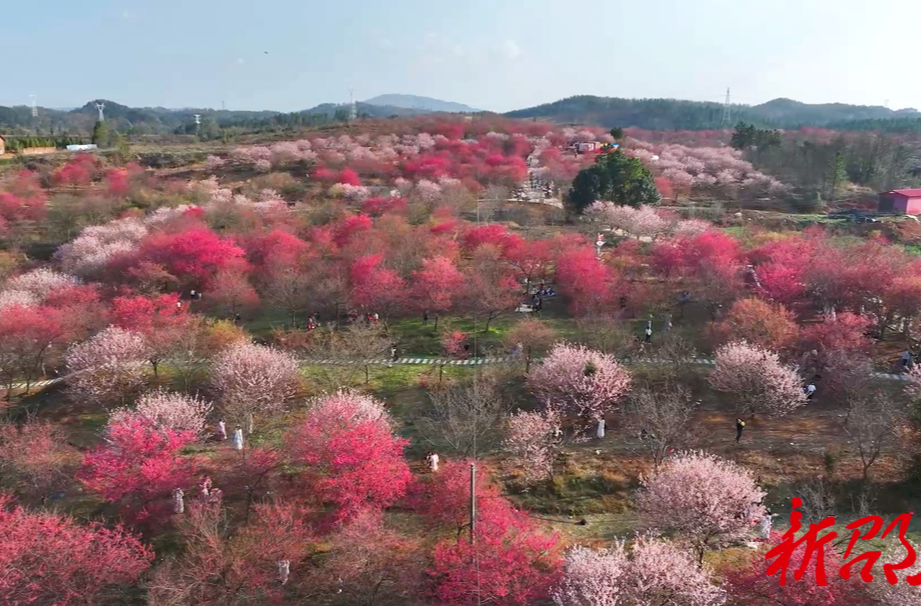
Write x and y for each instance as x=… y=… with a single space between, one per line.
x=594 y=481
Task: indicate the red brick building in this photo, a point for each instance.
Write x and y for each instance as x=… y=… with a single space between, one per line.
x=901 y=202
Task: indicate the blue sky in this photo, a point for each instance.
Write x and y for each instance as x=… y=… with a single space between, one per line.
x=491 y=54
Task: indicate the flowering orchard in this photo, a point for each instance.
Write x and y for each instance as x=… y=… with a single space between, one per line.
x=384 y=366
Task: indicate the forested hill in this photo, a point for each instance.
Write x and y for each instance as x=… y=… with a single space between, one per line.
x=658 y=114
x=128 y=120
x=159 y=121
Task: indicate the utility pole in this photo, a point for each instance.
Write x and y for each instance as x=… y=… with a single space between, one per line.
x=34 y=107
x=476 y=555
x=101 y=107
x=473 y=503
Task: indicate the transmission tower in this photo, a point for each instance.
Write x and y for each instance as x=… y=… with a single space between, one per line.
x=726 y=121
x=353 y=107
x=34 y=107
x=101 y=107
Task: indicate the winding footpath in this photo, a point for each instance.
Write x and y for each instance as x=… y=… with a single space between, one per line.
x=421 y=361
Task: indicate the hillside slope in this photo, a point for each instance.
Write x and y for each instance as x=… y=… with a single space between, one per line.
x=657 y=114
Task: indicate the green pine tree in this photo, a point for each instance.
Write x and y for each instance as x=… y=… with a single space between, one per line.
x=615 y=177
x=101 y=134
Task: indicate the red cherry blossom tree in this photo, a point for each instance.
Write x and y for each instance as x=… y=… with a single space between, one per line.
x=650 y=572
x=224 y=566
x=159 y=319
x=758 y=322
x=253 y=379
x=585 y=282
x=50 y=559
x=232 y=292
x=36 y=456
x=531 y=260
x=436 y=285
x=107 y=367
x=579 y=382
x=757 y=380
x=138 y=466
x=193 y=256
x=512 y=560
x=376 y=288
x=369 y=563
x=352 y=456
x=701 y=498
x=27 y=334
x=842 y=332
x=489 y=286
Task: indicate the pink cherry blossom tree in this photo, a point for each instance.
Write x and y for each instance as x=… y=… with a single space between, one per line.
x=90 y=252
x=253 y=379
x=17 y=298
x=108 y=366
x=705 y=500
x=580 y=382
x=349 y=405
x=40 y=282
x=757 y=379
x=649 y=572
x=168 y=410
x=691 y=227
x=534 y=439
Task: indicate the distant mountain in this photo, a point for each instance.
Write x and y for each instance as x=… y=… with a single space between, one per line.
x=425 y=104
x=668 y=114
x=787 y=111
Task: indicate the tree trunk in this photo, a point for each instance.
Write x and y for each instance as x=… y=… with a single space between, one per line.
x=249 y=423
x=435 y=329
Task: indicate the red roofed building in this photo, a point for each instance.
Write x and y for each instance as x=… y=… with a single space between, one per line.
x=901 y=201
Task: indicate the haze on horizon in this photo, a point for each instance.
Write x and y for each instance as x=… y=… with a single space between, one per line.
x=289 y=55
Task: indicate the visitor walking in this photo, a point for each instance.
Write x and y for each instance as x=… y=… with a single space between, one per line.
x=740 y=427
x=284 y=570
x=432 y=459
x=222 y=430
x=764 y=527
x=810 y=391
x=178 y=503
x=648 y=338
x=425 y=317
x=238 y=439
